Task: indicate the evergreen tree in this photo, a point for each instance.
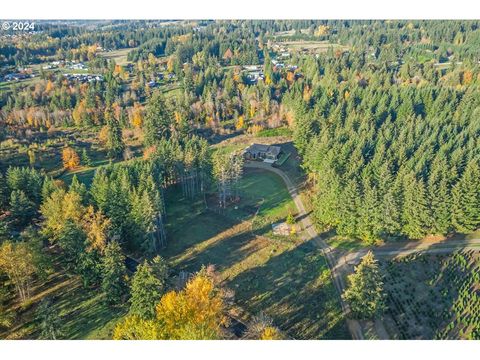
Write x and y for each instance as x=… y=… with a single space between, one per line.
x=369 y=226
x=145 y=291
x=79 y=188
x=365 y=293
x=48 y=188
x=466 y=200
x=439 y=200
x=99 y=190
x=143 y=219
x=85 y=159
x=114 y=143
x=89 y=267
x=113 y=274
x=415 y=218
x=348 y=209
x=3 y=193
x=157 y=121
x=71 y=238
x=304 y=130
x=21 y=208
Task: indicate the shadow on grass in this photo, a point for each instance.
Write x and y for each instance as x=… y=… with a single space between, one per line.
x=84 y=312
x=295 y=289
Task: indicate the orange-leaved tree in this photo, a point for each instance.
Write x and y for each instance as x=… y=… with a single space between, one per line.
x=70 y=158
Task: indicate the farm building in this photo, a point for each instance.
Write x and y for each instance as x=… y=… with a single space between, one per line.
x=267 y=153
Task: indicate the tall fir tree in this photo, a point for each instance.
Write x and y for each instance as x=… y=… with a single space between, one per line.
x=369 y=226
x=114 y=274
x=157 y=122
x=21 y=208
x=114 y=143
x=3 y=193
x=415 y=218
x=466 y=200
x=365 y=293
x=145 y=291
x=348 y=209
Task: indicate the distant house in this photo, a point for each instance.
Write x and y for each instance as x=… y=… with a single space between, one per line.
x=152 y=84
x=253 y=67
x=267 y=153
x=254 y=76
x=16 y=77
x=78 y=66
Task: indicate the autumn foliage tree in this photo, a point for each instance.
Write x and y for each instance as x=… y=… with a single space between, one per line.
x=18 y=262
x=194 y=313
x=70 y=158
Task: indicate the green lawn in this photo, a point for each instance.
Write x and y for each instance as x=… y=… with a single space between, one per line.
x=282 y=277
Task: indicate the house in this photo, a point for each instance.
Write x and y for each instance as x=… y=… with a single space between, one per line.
x=16 y=77
x=78 y=66
x=253 y=68
x=267 y=153
x=254 y=76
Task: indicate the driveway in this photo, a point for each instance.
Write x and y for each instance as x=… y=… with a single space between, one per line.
x=311 y=234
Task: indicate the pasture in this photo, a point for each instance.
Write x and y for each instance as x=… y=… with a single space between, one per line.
x=283 y=277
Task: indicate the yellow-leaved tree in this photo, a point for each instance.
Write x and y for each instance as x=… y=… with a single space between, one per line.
x=194 y=313
x=270 y=333
x=133 y=327
x=70 y=158
x=97 y=228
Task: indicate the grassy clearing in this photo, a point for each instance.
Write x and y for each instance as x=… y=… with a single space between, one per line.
x=119 y=55
x=82 y=312
x=311 y=46
x=281 y=131
x=282 y=277
x=344 y=243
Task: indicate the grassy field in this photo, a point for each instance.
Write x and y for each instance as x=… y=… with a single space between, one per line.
x=314 y=47
x=119 y=55
x=282 y=277
x=82 y=312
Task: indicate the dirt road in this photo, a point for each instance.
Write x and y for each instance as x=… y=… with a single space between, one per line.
x=310 y=233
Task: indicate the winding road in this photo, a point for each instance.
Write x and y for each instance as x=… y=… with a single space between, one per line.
x=339 y=264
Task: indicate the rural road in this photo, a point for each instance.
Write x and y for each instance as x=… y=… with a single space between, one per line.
x=310 y=233
x=339 y=264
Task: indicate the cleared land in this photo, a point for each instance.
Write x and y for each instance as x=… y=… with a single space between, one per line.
x=313 y=47
x=285 y=278
x=119 y=55
x=83 y=313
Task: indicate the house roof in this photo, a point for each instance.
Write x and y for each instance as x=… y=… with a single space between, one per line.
x=275 y=150
x=257 y=148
